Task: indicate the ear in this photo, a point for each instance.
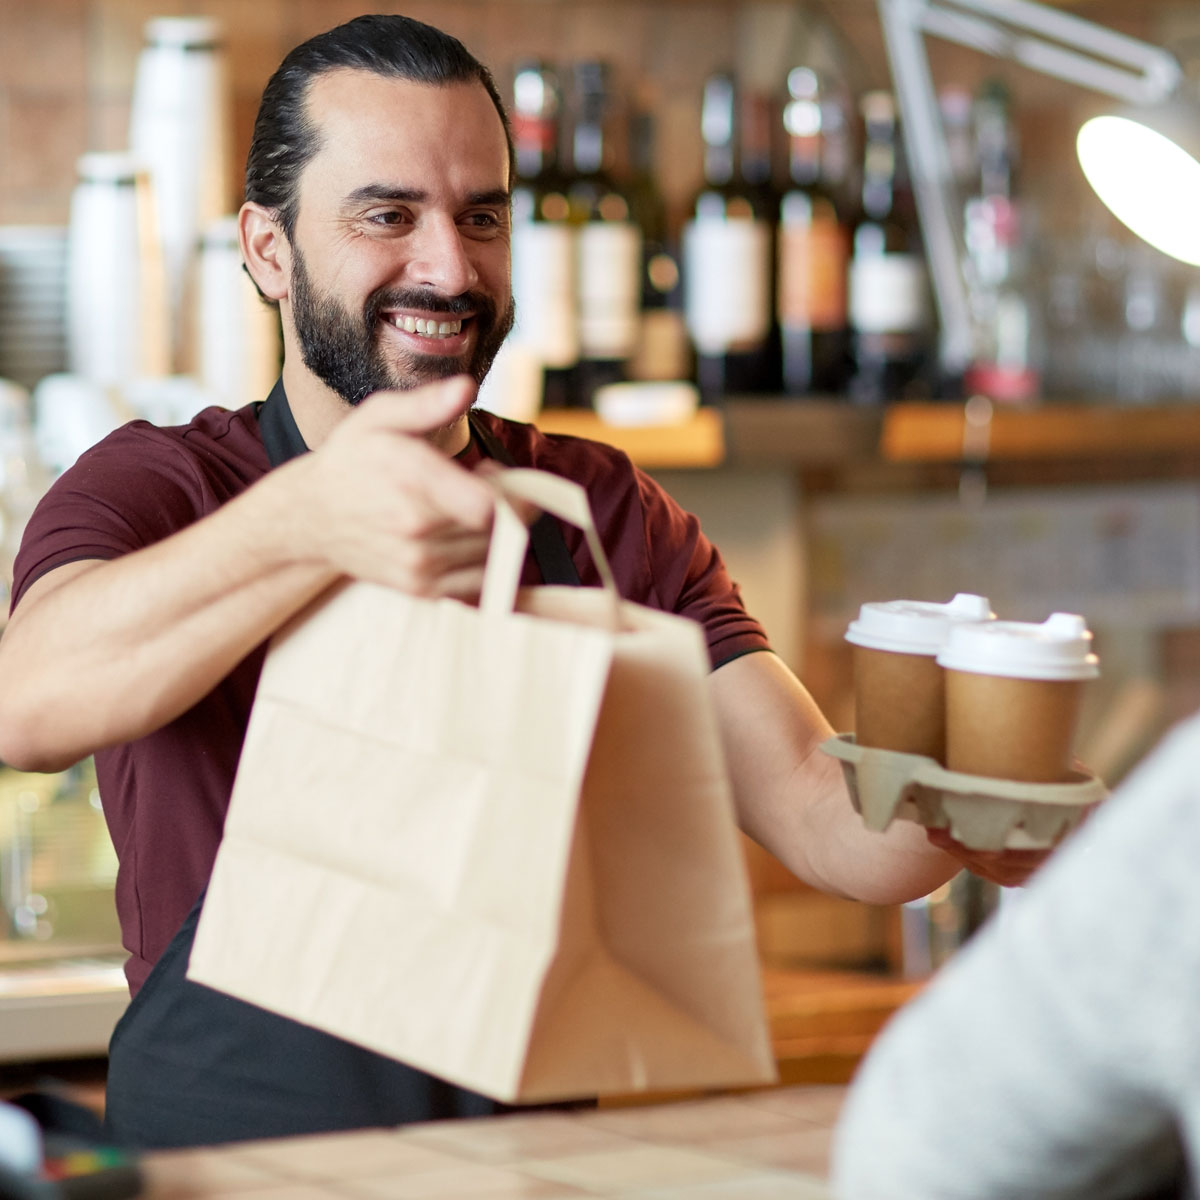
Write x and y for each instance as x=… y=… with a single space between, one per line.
x=265 y=250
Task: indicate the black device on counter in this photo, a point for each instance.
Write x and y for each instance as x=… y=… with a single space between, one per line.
x=76 y=1162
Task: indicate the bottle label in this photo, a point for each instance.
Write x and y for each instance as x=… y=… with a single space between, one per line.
x=889 y=293
x=727 y=283
x=609 y=288
x=543 y=283
x=813 y=261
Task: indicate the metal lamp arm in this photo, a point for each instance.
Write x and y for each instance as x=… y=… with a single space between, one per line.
x=1066 y=47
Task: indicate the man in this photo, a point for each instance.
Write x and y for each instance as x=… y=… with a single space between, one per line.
x=377 y=217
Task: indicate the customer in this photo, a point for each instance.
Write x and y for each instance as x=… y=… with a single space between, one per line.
x=1057 y=1054
x=377 y=217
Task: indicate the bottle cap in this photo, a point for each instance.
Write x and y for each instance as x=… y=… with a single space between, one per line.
x=915 y=626
x=1059 y=648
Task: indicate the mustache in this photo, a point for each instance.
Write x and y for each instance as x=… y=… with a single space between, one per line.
x=430 y=301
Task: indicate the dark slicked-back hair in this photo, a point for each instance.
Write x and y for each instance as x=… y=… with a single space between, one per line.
x=285 y=138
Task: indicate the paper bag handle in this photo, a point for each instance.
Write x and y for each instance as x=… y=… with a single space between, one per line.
x=564 y=498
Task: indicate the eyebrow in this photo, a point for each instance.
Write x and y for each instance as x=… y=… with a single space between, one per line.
x=382 y=192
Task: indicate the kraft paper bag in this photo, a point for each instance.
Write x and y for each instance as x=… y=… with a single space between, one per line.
x=497 y=844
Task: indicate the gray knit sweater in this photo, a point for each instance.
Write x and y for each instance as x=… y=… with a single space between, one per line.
x=1058 y=1054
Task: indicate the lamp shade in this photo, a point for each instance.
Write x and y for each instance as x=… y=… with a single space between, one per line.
x=1145 y=166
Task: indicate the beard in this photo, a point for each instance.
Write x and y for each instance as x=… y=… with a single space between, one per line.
x=344 y=349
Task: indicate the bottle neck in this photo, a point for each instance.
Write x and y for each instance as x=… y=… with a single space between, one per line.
x=535 y=141
x=718 y=165
x=879 y=178
x=804 y=161
x=587 y=147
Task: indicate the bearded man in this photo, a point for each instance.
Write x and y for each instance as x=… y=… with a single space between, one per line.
x=377 y=217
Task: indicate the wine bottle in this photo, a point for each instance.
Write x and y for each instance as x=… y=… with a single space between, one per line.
x=726 y=259
x=543 y=238
x=608 y=241
x=814 y=251
x=1007 y=367
x=663 y=350
x=890 y=311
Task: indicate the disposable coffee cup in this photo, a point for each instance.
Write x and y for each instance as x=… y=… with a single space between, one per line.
x=1013 y=694
x=899 y=690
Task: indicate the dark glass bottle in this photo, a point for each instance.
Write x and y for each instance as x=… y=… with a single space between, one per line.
x=543 y=241
x=1007 y=366
x=814 y=251
x=758 y=119
x=663 y=351
x=890 y=310
x=608 y=241
x=727 y=259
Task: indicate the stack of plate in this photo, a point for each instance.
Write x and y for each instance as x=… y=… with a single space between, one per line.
x=32 y=302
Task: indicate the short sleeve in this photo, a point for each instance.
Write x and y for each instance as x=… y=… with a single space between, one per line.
x=133 y=488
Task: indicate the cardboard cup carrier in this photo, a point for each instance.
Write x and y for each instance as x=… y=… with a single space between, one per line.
x=899 y=689
x=1013 y=694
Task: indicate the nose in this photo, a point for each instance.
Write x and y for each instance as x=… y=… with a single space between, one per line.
x=440 y=256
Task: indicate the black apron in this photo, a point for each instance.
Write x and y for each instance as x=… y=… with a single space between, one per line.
x=192 y=1066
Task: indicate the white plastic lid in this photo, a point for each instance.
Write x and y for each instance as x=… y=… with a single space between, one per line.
x=187 y=32
x=915 y=626
x=1059 y=648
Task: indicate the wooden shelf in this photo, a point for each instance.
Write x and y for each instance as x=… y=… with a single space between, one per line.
x=699 y=442
x=940 y=432
x=755 y=432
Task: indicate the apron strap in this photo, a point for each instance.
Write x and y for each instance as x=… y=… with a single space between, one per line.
x=545 y=534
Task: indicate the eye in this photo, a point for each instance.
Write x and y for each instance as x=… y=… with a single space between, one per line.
x=387 y=217
x=484 y=219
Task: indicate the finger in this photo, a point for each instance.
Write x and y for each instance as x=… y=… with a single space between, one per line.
x=423 y=409
x=448 y=495
x=528 y=512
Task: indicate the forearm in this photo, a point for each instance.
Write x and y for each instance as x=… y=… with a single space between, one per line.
x=122 y=647
x=793 y=799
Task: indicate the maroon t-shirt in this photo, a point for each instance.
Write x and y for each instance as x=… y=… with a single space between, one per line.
x=165 y=795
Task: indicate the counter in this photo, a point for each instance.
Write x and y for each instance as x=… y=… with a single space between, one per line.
x=771 y=1144
x=59 y=1001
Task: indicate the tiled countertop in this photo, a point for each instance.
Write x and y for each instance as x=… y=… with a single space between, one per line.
x=763 y=1145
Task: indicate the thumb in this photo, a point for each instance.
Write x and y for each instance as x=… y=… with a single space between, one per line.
x=422 y=409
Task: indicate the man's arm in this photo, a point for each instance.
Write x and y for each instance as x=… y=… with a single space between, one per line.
x=102 y=652
x=792 y=798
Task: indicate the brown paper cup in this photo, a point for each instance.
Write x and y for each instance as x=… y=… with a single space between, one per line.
x=899 y=702
x=1021 y=729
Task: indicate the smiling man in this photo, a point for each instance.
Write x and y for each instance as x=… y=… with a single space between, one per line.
x=156 y=569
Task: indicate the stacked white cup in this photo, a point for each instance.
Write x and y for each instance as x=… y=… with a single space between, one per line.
x=115 y=294
x=180 y=127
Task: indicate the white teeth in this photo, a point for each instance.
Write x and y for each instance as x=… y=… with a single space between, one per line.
x=429 y=329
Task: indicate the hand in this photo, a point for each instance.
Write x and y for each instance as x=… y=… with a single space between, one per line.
x=378 y=501
x=1009 y=868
